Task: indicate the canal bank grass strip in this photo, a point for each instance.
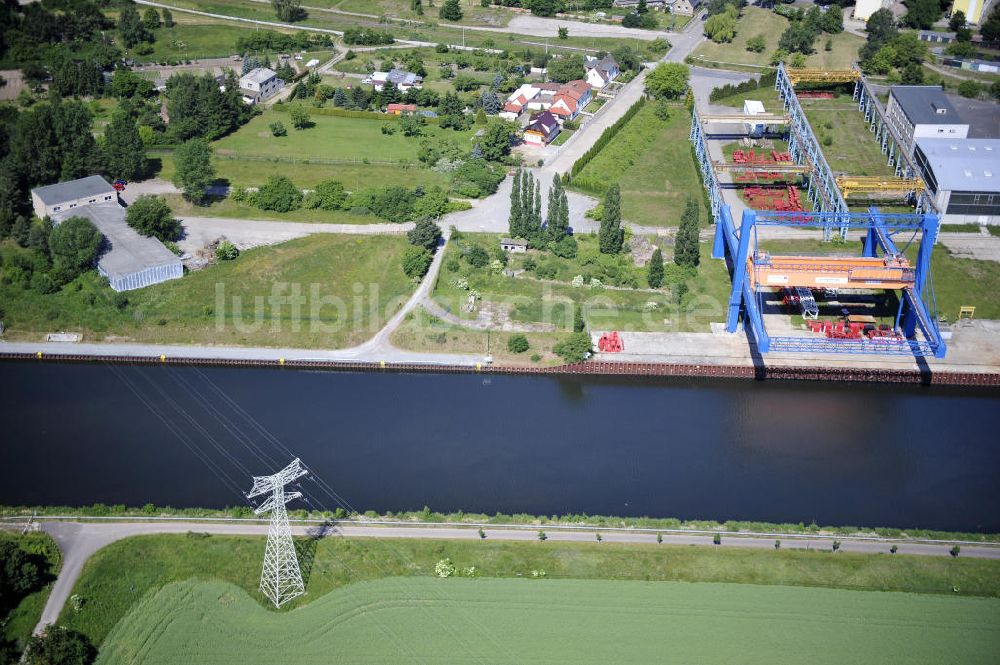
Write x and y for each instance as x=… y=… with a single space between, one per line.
x=101 y=512
x=122 y=574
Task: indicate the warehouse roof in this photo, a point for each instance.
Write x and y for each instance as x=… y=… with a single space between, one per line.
x=72 y=190
x=126 y=252
x=926 y=105
x=966 y=165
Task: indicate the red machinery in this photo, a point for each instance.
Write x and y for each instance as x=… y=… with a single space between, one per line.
x=853 y=330
x=610 y=342
x=813 y=94
x=750 y=157
x=783 y=199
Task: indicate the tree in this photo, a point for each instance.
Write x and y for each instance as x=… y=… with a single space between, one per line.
x=450 y=11
x=59 y=646
x=168 y=18
x=74 y=245
x=151 y=216
x=566 y=68
x=542 y=7
x=131 y=27
x=579 y=325
x=832 y=21
x=288 y=10
x=19 y=573
x=654 y=273
x=721 y=27
x=668 y=81
x=573 y=348
x=756 y=44
x=558 y=212
x=922 y=14
x=416 y=261
x=913 y=74
x=151 y=18
x=299 y=116
x=327 y=195
x=881 y=28
x=990 y=29
x=495 y=142
x=798 y=37
x=278 y=193
x=517 y=344
x=611 y=235
x=490 y=102
x=194 y=170
x=124 y=151
x=686 y=252
x=970 y=89
x=426 y=233
x=563 y=33
x=515 y=220
x=641 y=8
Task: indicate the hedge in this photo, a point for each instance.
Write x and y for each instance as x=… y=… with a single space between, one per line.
x=345 y=113
x=606 y=137
x=766 y=81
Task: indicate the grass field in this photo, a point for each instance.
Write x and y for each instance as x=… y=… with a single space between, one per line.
x=191 y=311
x=853 y=149
x=472 y=14
x=548 y=621
x=333 y=137
x=232 y=209
x=652 y=162
x=196 y=36
x=124 y=573
x=765 y=23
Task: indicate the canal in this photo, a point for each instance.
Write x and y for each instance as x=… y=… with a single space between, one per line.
x=843 y=454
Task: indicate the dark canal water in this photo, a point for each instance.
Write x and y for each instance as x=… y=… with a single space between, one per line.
x=870 y=455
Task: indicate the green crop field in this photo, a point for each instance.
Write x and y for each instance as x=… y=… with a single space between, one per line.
x=334 y=137
x=229 y=303
x=652 y=161
x=547 y=621
x=757 y=22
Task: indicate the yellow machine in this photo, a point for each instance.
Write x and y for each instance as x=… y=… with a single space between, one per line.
x=806 y=75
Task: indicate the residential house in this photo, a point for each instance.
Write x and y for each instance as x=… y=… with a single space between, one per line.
x=973 y=9
x=571 y=99
x=601 y=71
x=403 y=80
x=401 y=109
x=260 y=84
x=542 y=130
x=518 y=101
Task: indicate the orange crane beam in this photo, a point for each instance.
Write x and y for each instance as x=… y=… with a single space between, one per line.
x=888 y=273
x=850 y=184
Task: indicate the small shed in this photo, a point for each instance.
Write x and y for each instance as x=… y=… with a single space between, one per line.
x=514 y=245
x=753 y=107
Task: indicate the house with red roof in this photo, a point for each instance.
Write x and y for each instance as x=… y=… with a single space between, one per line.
x=570 y=99
x=401 y=109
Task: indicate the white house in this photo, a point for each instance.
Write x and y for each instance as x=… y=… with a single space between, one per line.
x=518 y=101
x=259 y=84
x=863 y=9
x=601 y=71
x=403 y=80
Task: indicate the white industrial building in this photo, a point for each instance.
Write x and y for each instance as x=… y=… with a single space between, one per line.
x=963 y=177
x=923 y=111
x=129 y=260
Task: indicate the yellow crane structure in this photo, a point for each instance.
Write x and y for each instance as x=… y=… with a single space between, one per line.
x=810 y=75
x=850 y=184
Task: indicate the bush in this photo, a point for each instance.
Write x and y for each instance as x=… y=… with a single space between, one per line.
x=226 y=251
x=278 y=129
x=573 y=348
x=278 y=194
x=43 y=283
x=416 y=261
x=151 y=216
x=970 y=89
x=565 y=248
x=477 y=256
x=328 y=195
x=517 y=344
x=955 y=550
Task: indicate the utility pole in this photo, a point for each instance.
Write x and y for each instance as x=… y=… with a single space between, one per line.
x=280 y=578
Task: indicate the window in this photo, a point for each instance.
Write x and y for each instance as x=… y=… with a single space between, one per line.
x=92 y=201
x=57 y=208
x=974 y=203
x=107 y=198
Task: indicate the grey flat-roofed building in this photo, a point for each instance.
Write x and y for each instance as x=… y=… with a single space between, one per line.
x=62 y=196
x=923 y=111
x=963 y=176
x=128 y=260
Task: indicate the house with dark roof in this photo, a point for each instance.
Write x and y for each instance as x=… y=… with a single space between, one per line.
x=403 y=80
x=923 y=111
x=62 y=196
x=601 y=71
x=542 y=130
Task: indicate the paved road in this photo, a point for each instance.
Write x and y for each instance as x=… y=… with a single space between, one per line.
x=79 y=541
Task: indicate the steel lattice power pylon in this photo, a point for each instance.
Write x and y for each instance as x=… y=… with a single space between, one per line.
x=280 y=579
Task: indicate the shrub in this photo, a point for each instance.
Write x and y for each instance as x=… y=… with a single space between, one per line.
x=717 y=539
x=573 y=348
x=517 y=344
x=955 y=550
x=416 y=261
x=278 y=128
x=444 y=568
x=43 y=283
x=565 y=248
x=970 y=89
x=151 y=216
x=328 y=195
x=226 y=251
x=477 y=256
x=541 y=536
x=278 y=194
x=836 y=545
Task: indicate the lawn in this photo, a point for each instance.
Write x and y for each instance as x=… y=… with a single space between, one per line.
x=355 y=176
x=853 y=149
x=552 y=300
x=229 y=208
x=765 y=23
x=229 y=303
x=16 y=627
x=334 y=138
x=474 y=621
x=126 y=572
x=195 y=37
x=652 y=161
